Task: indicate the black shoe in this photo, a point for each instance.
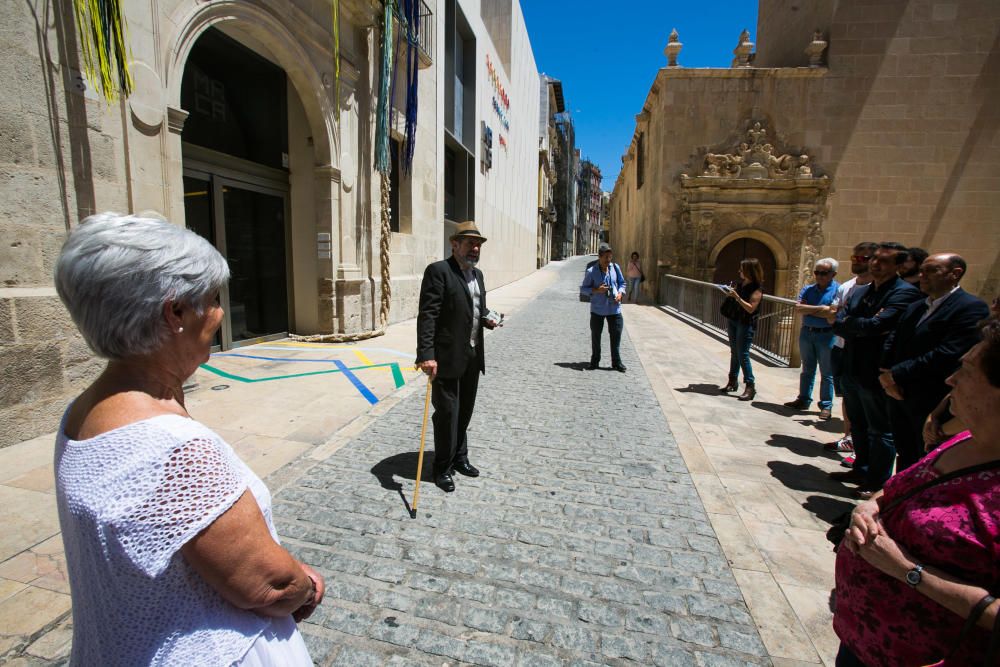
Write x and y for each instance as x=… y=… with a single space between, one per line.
x=749 y=393
x=620 y=368
x=445 y=482
x=732 y=385
x=797 y=404
x=847 y=475
x=466 y=469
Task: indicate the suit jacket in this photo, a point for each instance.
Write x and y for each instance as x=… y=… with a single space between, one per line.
x=444 y=324
x=922 y=355
x=872 y=314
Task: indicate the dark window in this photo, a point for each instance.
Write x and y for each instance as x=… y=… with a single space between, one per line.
x=449 y=183
x=236 y=101
x=640 y=159
x=394 y=182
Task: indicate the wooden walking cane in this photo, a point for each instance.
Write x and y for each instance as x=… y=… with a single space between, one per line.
x=420 y=456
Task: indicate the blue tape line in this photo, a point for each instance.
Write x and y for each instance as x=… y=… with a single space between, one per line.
x=358 y=384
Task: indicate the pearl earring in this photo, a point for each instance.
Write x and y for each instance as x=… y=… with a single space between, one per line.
x=180 y=329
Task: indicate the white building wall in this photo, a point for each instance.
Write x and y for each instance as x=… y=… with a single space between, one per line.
x=507 y=195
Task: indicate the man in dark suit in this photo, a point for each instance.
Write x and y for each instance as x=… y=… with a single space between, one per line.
x=931 y=337
x=450 y=348
x=871 y=315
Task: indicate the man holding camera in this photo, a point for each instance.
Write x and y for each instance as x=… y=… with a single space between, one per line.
x=606 y=286
x=450 y=348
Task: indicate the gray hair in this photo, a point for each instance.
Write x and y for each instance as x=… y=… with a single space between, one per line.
x=116 y=272
x=829 y=261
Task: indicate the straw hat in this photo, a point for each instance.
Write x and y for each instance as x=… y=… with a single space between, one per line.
x=467 y=230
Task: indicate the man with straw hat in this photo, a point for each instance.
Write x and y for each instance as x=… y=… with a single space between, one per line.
x=450 y=348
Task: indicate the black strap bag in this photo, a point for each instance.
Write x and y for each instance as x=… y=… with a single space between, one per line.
x=732 y=310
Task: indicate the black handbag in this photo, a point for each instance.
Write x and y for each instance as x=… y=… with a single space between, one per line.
x=642 y=277
x=731 y=310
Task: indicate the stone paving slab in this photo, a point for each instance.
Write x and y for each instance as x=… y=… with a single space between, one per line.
x=583 y=542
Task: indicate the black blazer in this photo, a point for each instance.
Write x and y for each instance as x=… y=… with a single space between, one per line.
x=871 y=315
x=444 y=324
x=922 y=355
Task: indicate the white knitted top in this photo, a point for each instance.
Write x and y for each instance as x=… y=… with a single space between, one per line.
x=128 y=500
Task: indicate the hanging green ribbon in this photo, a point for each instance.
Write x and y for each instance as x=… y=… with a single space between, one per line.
x=103 y=44
x=382 y=111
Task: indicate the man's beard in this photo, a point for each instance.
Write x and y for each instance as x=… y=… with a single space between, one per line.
x=911 y=273
x=471 y=261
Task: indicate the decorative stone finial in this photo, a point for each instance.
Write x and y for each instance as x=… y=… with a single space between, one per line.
x=815 y=49
x=743 y=50
x=673 y=48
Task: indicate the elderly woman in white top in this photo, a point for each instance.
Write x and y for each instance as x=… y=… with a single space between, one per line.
x=172 y=555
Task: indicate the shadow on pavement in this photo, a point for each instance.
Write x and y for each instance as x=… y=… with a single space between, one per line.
x=807 y=477
x=801 y=446
x=573 y=365
x=703 y=389
x=776 y=408
x=827 y=425
x=826 y=508
x=403 y=465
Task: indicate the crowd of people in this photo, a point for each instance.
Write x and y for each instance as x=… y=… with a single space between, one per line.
x=916 y=361
x=907 y=348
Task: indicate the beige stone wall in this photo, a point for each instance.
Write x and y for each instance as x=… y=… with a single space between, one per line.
x=904 y=122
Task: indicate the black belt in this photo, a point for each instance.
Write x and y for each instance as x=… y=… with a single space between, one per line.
x=819 y=329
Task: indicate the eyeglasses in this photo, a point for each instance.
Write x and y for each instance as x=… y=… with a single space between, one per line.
x=822 y=273
x=861 y=258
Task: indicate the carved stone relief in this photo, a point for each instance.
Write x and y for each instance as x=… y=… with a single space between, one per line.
x=754 y=189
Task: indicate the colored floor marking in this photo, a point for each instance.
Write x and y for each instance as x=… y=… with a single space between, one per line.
x=255 y=356
x=239 y=378
x=358 y=384
x=397 y=376
x=362 y=357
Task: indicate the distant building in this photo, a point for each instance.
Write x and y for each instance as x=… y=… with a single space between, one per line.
x=880 y=125
x=564 y=233
x=589 y=208
x=551 y=102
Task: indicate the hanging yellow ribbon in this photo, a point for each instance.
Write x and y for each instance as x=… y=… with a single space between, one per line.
x=103 y=44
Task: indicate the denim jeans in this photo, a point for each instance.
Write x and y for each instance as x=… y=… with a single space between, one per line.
x=633 y=289
x=816 y=348
x=871 y=430
x=615 y=324
x=740 y=337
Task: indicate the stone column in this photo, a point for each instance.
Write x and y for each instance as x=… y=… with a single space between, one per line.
x=327 y=211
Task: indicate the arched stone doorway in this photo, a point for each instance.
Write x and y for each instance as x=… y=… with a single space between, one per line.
x=727 y=262
x=291 y=195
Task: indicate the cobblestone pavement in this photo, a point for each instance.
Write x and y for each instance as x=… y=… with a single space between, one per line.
x=583 y=542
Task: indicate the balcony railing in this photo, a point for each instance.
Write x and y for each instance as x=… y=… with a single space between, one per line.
x=777 y=334
x=424 y=30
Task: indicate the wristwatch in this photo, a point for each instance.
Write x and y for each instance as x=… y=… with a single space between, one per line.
x=913 y=577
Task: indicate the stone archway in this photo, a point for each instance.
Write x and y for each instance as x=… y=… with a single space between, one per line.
x=772 y=255
x=752 y=191
x=328 y=192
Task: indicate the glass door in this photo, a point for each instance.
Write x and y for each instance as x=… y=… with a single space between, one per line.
x=247 y=223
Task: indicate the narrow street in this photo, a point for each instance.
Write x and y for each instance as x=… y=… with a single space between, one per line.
x=584 y=541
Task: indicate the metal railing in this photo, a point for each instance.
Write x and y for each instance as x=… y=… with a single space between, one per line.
x=777 y=333
x=424 y=33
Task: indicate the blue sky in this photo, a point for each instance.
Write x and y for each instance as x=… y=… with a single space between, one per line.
x=607 y=54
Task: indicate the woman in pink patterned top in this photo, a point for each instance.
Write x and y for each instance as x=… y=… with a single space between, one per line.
x=908 y=579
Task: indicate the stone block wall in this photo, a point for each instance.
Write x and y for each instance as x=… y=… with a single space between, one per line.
x=904 y=121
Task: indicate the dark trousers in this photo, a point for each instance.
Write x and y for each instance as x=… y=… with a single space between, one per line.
x=454 y=400
x=871 y=430
x=615 y=324
x=740 y=339
x=907 y=420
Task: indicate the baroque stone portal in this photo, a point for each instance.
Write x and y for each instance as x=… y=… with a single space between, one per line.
x=754 y=190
